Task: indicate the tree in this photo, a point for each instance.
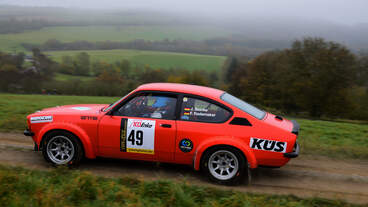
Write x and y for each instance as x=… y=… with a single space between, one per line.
x=323 y=71
x=313 y=76
x=67 y=65
x=82 y=64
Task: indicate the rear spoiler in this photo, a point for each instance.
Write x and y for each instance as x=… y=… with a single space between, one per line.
x=296 y=127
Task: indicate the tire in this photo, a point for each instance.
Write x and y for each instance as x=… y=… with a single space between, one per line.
x=62 y=148
x=225 y=165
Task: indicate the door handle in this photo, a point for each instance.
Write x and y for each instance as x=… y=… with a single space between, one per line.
x=165 y=125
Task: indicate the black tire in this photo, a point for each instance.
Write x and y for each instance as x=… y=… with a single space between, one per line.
x=72 y=141
x=237 y=177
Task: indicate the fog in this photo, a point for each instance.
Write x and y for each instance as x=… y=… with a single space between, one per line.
x=334 y=11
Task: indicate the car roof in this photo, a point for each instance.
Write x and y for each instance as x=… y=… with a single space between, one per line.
x=183 y=88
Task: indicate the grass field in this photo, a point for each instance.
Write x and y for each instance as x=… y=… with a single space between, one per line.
x=152 y=58
x=111 y=33
x=63 y=187
x=334 y=139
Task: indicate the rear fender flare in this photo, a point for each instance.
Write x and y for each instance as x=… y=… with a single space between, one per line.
x=77 y=131
x=221 y=141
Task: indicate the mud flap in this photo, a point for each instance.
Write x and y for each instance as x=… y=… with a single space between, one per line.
x=249 y=175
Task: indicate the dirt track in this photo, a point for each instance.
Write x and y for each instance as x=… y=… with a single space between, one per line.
x=305 y=176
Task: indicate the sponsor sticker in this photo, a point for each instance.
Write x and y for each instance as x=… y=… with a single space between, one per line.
x=267 y=145
x=81 y=108
x=41 y=119
x=186 y=145
x=137 y=135
x=89 y=118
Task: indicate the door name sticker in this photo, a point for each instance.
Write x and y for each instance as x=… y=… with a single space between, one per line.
x=41 y=119
x=197 y=112
x=137 y=136
x=267 y=145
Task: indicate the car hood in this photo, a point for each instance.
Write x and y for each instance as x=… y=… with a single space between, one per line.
x=73 y=109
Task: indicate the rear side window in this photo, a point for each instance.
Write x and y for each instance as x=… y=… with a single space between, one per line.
x=194 y=109
x=244 y=106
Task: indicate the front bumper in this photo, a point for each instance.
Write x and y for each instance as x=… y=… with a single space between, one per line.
x=294 y=153
x=28 y=133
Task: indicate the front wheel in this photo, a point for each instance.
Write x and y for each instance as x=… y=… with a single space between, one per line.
x=62 y=148
x=224 y=165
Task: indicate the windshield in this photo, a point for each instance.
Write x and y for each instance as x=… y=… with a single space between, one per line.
x=244 y=106
x=113 y=104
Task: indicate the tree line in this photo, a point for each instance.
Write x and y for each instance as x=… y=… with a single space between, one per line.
x=218 y=46
x=314 y=77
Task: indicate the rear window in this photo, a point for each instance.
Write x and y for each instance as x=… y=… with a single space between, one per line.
x=244 y=106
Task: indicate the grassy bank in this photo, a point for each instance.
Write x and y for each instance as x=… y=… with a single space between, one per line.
x=62 y=187
x=333 y=139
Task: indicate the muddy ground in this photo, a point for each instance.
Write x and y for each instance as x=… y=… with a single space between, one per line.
x=305 y=176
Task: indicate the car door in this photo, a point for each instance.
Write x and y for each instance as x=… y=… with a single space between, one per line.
x=143 y=128
x=199 y=118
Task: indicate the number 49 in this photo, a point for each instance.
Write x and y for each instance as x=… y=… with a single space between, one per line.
x=136 y=137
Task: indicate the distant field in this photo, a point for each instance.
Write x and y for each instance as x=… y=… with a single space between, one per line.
x=152 y=58
x=333 y=139
x=112 y=33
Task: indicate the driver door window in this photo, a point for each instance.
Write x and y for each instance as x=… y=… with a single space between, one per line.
x=150 y=106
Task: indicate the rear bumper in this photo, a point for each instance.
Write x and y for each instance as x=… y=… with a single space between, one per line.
x=294 y=153
x=296 y=127
x=28 y=133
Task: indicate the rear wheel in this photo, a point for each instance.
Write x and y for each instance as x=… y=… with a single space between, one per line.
x=224 y=165
x=62 y=148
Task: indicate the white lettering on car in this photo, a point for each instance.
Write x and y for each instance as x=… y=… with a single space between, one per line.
x=41 y=119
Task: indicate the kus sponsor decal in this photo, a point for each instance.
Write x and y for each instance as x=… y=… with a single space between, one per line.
x=41 y=119
x=267 y=145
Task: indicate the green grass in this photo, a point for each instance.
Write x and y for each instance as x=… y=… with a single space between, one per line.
x=65 y=77
x=154 y=59
x=333 y=139
x=110 y=33
x=15 y=108
x=63 y=187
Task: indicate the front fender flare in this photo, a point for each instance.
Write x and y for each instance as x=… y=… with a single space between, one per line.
x=230 y=141
x=76 y=130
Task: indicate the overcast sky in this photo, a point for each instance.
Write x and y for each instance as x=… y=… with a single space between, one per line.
x=339 y=11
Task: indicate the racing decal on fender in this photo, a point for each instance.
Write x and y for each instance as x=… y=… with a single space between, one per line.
x=137 y=136
x=186 y=145
x=89 y=118
x=267 y=145
x=41 y=119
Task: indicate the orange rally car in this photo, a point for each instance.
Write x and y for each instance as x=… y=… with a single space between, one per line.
x=176 y=123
